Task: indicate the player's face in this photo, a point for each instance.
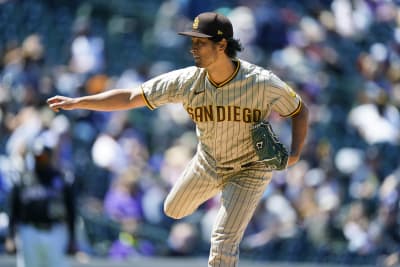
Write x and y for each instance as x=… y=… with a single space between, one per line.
x=204 y=52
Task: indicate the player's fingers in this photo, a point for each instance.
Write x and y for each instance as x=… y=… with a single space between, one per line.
x=54 y=107
x=54 y=99
x=57 y=102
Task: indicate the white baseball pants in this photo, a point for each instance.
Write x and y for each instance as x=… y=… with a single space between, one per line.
x=241 y=190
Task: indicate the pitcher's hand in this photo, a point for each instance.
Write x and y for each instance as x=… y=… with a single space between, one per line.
x=61 y=102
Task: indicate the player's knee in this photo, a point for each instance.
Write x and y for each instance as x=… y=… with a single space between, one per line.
x=172 y=211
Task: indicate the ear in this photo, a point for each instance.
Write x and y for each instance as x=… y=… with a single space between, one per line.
x=222 y=45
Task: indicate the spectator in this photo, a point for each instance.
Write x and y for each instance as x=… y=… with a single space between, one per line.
x=123 y=205
x=87 y=50
x=122 y=202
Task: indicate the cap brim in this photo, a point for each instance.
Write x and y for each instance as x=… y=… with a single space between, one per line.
x=195 y=34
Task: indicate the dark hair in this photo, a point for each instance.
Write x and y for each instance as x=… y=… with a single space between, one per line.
x=233 y=46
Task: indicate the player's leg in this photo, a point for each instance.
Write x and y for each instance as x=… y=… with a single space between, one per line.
x=196 y=185
x=240 y=197
x=56 y=244
x=28 y=247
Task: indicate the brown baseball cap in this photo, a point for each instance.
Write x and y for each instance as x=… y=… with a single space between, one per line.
x=210 y=25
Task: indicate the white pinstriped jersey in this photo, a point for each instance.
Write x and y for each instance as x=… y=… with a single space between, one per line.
x=224 y=113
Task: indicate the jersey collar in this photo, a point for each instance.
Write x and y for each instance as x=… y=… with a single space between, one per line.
x=217 y=85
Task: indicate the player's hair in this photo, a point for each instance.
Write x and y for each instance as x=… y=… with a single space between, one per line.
x=233 y=46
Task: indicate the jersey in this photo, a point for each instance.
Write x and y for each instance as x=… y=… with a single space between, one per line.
x=224 y=113
x=33 y=201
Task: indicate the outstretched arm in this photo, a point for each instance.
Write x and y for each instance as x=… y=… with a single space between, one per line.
x=113 y=100
x=299 y=133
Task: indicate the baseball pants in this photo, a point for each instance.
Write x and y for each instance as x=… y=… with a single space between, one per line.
x=241 y=190
x=42 y=248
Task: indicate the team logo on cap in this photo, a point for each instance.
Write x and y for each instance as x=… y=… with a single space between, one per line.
x=220 y=32
x=196 y=23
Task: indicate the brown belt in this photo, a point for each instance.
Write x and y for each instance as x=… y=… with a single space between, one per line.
x=243 y=166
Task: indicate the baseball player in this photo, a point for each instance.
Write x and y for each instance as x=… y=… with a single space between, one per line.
x=227 y=98
x=42 y=213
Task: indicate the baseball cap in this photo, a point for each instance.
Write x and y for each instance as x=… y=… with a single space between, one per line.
x=210 y=25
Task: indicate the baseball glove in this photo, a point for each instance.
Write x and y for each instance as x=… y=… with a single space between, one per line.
x=268 y=148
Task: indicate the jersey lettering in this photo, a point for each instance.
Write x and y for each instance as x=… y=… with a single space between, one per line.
x=208 y=113
x=224 y=113
x=220 y=113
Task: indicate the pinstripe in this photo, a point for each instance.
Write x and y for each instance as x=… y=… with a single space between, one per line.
x=240 y=196
x=193 y=188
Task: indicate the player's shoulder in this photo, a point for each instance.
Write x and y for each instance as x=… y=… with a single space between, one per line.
x=194 y=71
x=262 y=75
x=250 y=69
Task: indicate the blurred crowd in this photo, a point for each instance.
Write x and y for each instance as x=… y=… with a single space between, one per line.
x=340 y=203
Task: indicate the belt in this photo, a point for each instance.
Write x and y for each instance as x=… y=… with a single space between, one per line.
x=239 y=167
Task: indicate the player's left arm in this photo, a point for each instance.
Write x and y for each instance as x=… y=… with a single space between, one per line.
x=299 y=133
